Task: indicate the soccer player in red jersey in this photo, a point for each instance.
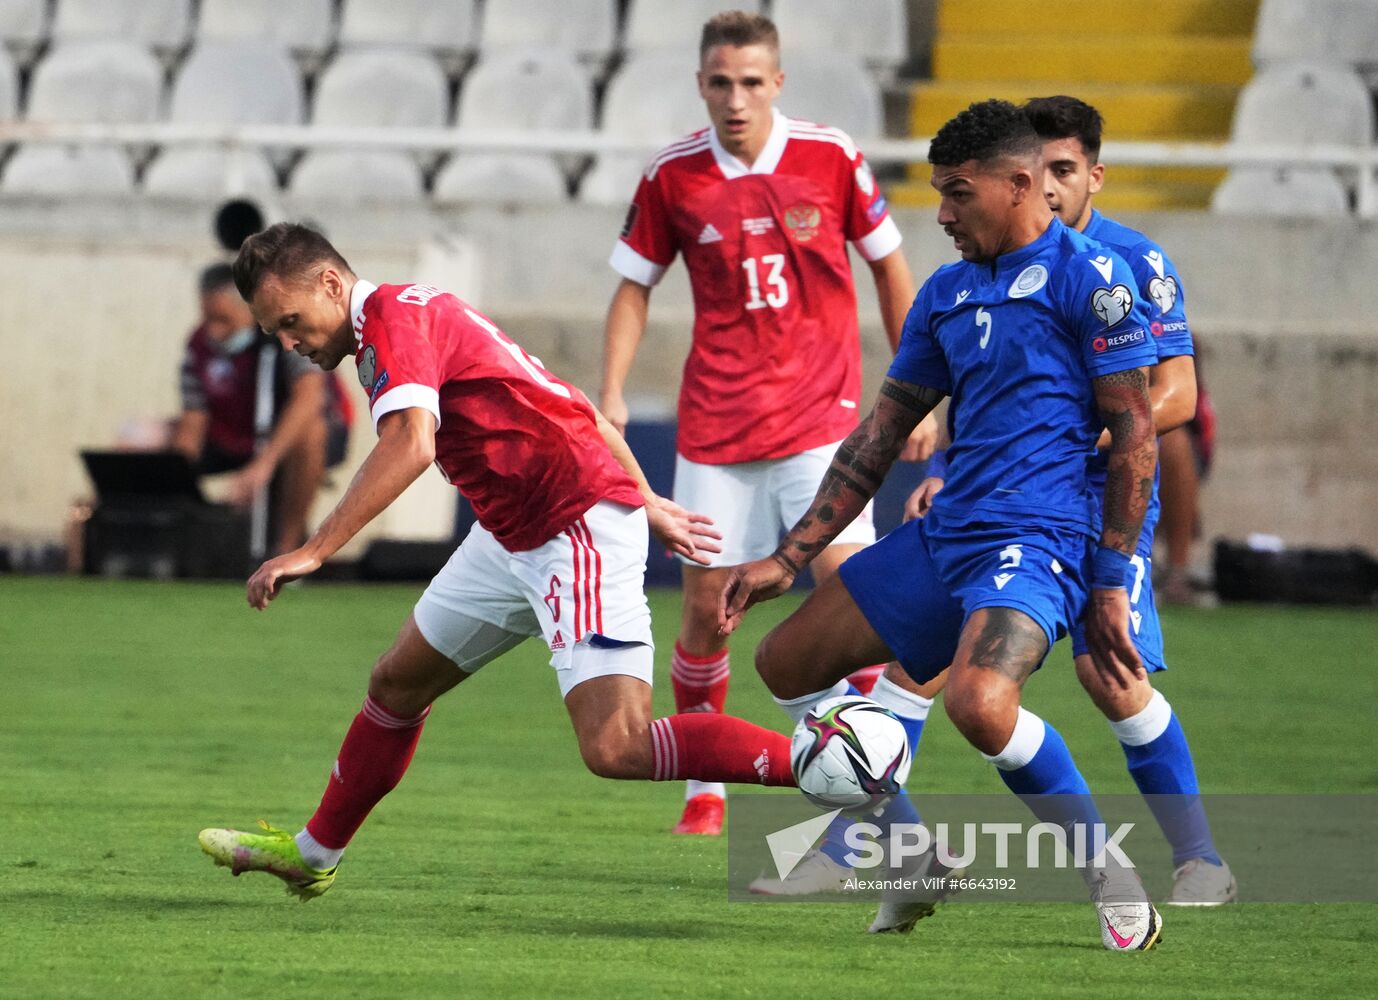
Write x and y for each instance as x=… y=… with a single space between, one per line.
x=762 y=207
x=558 y=552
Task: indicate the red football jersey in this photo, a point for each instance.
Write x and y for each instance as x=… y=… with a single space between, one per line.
x=519 y=443
x=775 y=367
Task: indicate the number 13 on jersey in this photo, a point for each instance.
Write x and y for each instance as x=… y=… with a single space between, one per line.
x=767 y=271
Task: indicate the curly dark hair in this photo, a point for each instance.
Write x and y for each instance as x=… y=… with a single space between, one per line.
x=1064 y=117
x=286 y=250
x=987 y=130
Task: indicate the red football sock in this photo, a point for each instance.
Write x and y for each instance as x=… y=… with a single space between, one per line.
x=700 y=682
x=372 y=760
x=865 y=678
x=713 y=747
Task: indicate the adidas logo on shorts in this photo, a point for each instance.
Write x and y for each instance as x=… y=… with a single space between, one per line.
x=557 y=641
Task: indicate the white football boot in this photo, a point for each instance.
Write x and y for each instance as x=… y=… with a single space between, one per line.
x=815 y=873
x=1199 y=883
x=1128 y=920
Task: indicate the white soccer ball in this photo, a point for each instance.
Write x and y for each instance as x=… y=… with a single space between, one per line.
x=849 y=753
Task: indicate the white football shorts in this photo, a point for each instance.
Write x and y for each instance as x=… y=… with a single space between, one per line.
x=583 y=592
x=754 y=503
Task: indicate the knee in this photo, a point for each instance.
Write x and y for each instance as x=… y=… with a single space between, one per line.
x=1115 y=703
x=983 y=711
x=769 y=663
x=616 y=755
x=398 y=690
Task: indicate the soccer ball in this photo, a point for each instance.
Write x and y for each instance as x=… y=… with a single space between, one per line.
x=849 y=753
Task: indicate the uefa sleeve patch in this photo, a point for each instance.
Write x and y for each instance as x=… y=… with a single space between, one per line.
x=1111 y=305
x=1127 y=339
x=632 y=211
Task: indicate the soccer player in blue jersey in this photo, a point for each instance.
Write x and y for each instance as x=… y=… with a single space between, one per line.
x=1040 y=341
x=1155 y=746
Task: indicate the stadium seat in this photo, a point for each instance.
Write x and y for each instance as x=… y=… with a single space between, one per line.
x=526 y=89
x=237 y=83
x=163 y=25
x=305 y=26
x=1286 y=192
x=874 y=32
x=500 y=179
x=449 y=28
x=353 y=177
x=1304 y=103
x=653 y=99
x=96 y=81
x=1329 y=31
x=47 y=170
x=532 y=89
x=653 y=24
x=210 y=173
x=586 y=28
x=23 y=26
x=9 y=88
x=382 y=87
x=832 y=91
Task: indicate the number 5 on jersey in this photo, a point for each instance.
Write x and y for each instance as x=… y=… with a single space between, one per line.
x=984 y=320
x=777 y=292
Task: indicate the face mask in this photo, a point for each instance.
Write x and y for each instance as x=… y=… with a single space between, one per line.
x=239 y=340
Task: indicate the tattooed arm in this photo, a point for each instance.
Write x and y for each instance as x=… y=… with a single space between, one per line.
x=1123 y=401
x=857 y=470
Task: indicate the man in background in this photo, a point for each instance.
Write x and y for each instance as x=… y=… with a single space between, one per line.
x=286 y=435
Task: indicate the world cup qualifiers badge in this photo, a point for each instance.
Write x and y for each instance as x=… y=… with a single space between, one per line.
x=803 y=221
x=367 y=362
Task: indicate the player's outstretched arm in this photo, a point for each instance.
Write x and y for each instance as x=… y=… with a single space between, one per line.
x=857 y=470
x=681 y=531
x=405 y=448
x=622 y=333
x=1123 y=401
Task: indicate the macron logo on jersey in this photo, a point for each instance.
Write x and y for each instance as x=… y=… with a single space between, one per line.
x=1104 y=265
x=710 y=234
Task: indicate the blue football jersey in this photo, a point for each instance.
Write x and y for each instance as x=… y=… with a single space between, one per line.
x=1016 y=343
x=1161 y=288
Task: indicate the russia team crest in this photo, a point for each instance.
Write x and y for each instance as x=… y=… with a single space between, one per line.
x=803 y=221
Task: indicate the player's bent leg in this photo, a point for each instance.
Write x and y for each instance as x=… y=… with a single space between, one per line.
x=700 y=672
x=823 y=641
x=998 y=649
x=1160 y=762
x=618 y=739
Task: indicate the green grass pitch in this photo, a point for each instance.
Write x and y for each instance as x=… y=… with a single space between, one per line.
x=133 y=714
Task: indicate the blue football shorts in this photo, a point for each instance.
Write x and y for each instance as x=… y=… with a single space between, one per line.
x=1144 y=626
x=918 y=585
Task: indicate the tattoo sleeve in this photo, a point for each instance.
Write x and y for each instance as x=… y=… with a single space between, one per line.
x=1124 y=405
x=857 y=470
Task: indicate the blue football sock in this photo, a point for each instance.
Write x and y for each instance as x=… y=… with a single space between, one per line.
x=1155 y=748
x=1037 y=766
x=900 y=809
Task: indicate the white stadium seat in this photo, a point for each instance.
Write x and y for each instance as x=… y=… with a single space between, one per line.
x=106 y=81
x=1330 y=31
x=874 y=32
x=654 y=24
x=237 y=83
x=445 y=26
x=1304 y=103
x=9 y=88
x=300 y=25
x=1281 y=192
x=585 y=28
x=382 y=87
x=832 y=91
x=158 y=24
x=500 y=179
x=655 y=98
x=23 y=23
x=45 y=170
x=534 y=89
x=358 y=177
x=210 y=173
x=526 y=89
